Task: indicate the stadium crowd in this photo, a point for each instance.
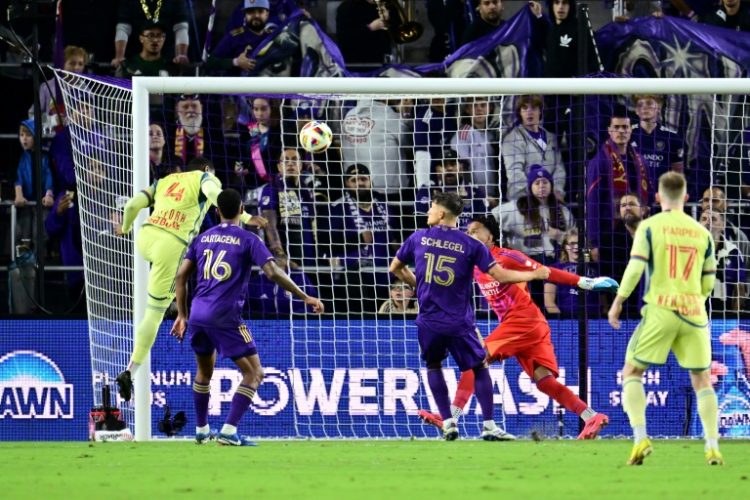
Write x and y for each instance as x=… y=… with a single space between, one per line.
x=337 y=218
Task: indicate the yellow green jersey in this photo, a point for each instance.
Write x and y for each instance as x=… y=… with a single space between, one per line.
x=678 y=254
x=180 y=204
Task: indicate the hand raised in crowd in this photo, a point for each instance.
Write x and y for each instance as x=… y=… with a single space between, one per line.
x=536 y=8
x=376 y=25
x=181 y=59
x=65 y=203
x=117 y=61
x=240 y=169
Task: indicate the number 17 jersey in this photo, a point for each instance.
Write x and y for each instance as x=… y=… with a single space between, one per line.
x=678 y=251
x=224 y=256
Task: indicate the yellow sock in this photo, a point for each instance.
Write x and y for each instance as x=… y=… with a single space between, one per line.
x=145 y=334
x=634 y=401
x=708 y=409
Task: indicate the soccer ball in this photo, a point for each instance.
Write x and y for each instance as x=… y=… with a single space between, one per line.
x=315 y=137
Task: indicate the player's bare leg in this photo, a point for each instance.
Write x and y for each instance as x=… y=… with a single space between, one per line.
x=547 y=383
x=634 y=404
x=201 y=395
x=708 y=410
x=252 y=375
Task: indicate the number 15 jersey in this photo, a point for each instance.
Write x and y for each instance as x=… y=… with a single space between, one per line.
x=444 y=260
x=223 y=256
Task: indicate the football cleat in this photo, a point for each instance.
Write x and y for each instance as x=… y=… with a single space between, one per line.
x=594 y=426
x=203 y=437
x=713 y=457
x=431 y=418
x=450 y=430
x=235 y=440
x=640 y=451
x=497 y=434
x=125 y=385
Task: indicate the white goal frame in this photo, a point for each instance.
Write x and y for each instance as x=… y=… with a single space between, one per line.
x=142 y=87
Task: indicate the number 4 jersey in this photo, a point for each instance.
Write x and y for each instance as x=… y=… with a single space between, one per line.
x=179 y=203
x=223 y=257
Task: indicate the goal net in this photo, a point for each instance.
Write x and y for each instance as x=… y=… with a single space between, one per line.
x=339 y=216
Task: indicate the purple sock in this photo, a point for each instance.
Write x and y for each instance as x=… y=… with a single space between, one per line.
x=439 y=392
x=201 y=393
x=483 y=392
x=240 y=403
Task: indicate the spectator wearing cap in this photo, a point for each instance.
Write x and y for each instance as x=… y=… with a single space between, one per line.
x=133 y=16
x=359 y=236
x=232 y=54
x=535 y=224
x=361 y=33
x=529 y=144
x=618 y=168
x=450 y=175
x=149 y=61
x=289 y=208
x=373 y=134
x=401 y=300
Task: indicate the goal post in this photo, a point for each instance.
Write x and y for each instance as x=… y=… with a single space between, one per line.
x=319 y=349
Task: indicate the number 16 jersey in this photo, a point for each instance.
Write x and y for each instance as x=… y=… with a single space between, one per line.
x=223 y=256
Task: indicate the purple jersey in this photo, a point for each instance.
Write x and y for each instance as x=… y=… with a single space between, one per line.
x=444 y=259
x=223 y=255
x=661 y=148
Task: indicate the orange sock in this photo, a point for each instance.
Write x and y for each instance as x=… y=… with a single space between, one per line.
x=465 y=389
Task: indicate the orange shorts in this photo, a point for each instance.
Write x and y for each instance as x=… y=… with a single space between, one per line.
x=532 y=347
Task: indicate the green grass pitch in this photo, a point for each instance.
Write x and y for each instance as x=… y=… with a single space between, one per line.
x=370 y=469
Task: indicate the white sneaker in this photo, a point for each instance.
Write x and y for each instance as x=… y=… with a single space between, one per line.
x=497 y=434
x=450 y=430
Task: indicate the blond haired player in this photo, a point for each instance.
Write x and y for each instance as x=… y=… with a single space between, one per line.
x=679 y=255
x=180 y=202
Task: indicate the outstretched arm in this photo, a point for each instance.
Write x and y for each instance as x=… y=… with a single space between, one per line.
x=503 y=275
x=211 y=189
x=134 y=205
x=278 y=276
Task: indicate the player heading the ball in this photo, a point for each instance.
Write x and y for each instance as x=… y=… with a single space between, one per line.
x=180 y=202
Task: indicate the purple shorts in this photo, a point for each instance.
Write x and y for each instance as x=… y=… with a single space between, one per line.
x=231 y=343
x=465 y=347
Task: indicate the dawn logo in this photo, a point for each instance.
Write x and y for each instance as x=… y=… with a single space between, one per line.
x=32 y=386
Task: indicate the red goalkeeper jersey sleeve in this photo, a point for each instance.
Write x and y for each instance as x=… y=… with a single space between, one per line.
x=510 y=301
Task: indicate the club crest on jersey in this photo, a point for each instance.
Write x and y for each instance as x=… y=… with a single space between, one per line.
x=358 y=128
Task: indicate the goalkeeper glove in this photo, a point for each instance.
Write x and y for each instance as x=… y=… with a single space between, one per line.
x=600 y=284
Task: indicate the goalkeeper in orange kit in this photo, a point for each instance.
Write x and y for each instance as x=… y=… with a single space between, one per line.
x=180 y=202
